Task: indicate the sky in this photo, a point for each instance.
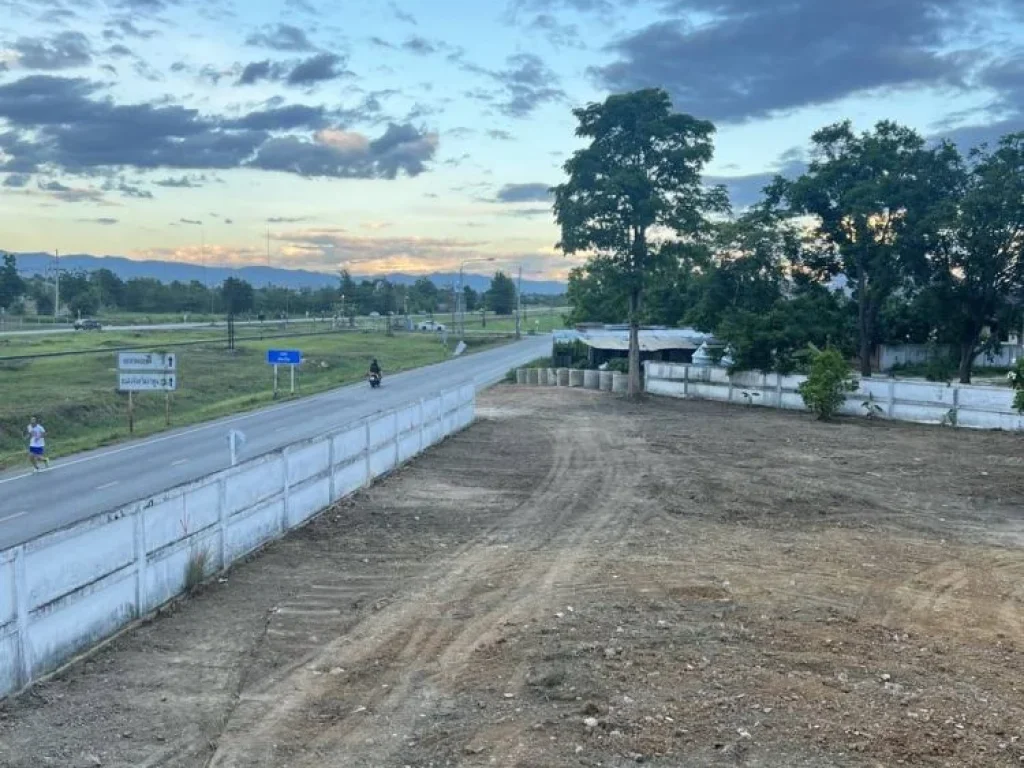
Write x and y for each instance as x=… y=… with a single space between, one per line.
x=415 y=136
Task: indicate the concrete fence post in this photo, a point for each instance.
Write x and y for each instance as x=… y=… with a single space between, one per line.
x=532 y=376
x=605 y=381
x=575 y=377
x=778 y=390
x=956 y=405
x=552 y=377
x=591 y=379
x=423 y=438
x=620 y=382
x=24 y=651
x=286 y=492
x=367 y=451
x=396 y=438
x=563 y=377
x=520 y=376
x=222 y=520
x=330 y=466
x=892 y=397
x=139 y=549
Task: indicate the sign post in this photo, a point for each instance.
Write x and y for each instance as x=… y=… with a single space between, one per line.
x=147 y=372
x=289 y=357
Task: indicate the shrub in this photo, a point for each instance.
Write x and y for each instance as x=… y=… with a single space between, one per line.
x=827 y=384
x=619 y=364
x=1016 y=377
x=195 y=570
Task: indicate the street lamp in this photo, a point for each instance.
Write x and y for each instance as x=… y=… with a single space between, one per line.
x=460 y=299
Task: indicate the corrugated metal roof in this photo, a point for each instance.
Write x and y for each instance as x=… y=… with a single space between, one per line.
x=650 y=340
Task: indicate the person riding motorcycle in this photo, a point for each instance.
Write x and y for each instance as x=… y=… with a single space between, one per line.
x=375 y=368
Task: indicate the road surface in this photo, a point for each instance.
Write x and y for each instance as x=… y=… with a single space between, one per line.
x=80 y=486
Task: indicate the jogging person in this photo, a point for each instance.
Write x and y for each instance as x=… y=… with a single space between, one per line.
x=36 y=444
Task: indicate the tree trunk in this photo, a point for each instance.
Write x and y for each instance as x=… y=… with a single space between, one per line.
x=634 y=345
x=967 y=360
x=863 y=324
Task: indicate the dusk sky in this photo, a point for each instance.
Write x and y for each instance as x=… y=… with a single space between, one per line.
x=411 y=135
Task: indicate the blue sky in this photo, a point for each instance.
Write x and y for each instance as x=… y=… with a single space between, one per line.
x=411 y=136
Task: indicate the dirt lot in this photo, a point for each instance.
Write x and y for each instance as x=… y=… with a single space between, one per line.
x=576 y=581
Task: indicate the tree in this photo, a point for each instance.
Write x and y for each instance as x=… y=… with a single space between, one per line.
x=640 y=176
x=108 y=287
x=12 y=287
x=872 y=196
x=423 y=296
x=470 y=299
x=824 y=391
x=978 y=267
x=501 y=296
x=237 y=295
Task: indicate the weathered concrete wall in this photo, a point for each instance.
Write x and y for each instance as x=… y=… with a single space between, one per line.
x=966 y=406
x=65 y=591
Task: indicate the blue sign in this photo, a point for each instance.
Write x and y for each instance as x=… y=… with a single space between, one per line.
x=284 y=357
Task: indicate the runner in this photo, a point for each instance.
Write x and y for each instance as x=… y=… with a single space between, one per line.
x=36 y=444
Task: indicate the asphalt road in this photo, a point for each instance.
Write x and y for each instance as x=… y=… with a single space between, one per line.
x=79 y=486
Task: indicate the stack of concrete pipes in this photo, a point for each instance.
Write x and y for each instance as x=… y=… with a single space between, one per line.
x=606 y=381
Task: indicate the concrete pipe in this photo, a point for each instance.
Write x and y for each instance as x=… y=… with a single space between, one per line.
x=575 y=377
x=552 y=377
x=520 y=375
x=532 y=376
x=591 y=379
x=542 y=376
x=605 y=381
x=620 y=382
x=563 y=377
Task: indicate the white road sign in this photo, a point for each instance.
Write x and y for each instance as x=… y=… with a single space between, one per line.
x=147 y=361
x=147 y=382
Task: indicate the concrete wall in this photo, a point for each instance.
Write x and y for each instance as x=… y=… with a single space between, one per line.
x=973 y=406
x=889 y=355
x=65 y=591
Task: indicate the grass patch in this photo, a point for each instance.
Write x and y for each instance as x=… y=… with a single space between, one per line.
x=76 y=401
x=195 y=570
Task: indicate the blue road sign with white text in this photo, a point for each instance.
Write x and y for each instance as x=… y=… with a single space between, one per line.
x=284 y=357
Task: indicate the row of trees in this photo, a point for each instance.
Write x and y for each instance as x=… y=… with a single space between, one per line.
x=884 y=238
x=87 y=293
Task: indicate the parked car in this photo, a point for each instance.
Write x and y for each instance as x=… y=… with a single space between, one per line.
x=430 y=325
x=87 y=324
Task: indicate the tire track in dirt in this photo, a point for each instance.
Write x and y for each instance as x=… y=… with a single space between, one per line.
x=427 y=636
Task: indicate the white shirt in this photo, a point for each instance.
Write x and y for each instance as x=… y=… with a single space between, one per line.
x=36 y=436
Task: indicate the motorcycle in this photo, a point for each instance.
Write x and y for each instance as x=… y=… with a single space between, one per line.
x=374 y=380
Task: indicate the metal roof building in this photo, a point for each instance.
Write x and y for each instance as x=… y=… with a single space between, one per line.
x=665 y=344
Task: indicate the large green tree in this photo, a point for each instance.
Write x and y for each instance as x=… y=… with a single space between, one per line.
x=978 y=266
x=501 y=296
x=237 y=295
x=872 y=197
x=636 y=187
x=12 y=287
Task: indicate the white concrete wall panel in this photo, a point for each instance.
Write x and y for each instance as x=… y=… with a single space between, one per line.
x=349 y=444
x=308 y=460
x=246 y=532
x=252 y=483
x=308 y=499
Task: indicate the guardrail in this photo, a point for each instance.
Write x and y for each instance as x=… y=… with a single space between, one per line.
x=65 y=591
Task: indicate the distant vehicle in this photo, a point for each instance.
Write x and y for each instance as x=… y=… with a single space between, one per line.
x=87 y=324
x=430 y=325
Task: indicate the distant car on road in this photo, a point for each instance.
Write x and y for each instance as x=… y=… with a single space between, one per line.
x=430 y=325
x=87 y=324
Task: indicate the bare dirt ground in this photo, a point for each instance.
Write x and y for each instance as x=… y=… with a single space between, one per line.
x=576 y=581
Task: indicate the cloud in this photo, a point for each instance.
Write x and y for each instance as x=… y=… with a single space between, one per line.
x=282 y=118
x=61 y=123
x=64 y=50
x=119 y=50
x=529 y=212
x=121 y=28
x=524 y=193
x=281 y=37
x=527 y=83
x=317 y=69
x=286 y=219
x=558 y=34
x=181 y=182
x=420 y=46
x=229 y=221
x=402 y=148
x=330 y=247
x=104 y=221
x=192 y=222
x=68 y=194
x=753 y=59
x=499 y=135
x=127 y=190
x=402 y=15
x=17 y=181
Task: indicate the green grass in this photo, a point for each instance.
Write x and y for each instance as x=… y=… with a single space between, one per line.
x=539 y=320
x=76 y=401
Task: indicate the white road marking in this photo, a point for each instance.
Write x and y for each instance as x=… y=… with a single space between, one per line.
x=179 y=462
x=107 y=485
x=11 y=517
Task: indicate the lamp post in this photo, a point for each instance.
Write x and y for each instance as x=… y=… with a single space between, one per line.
x=460 y=296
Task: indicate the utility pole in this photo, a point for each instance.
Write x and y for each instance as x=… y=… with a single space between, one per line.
x=268 y=245
x=56 y=284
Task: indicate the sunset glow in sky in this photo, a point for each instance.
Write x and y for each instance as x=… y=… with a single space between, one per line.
x=410 y=136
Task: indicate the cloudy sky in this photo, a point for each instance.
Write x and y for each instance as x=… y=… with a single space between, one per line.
x=412 y=135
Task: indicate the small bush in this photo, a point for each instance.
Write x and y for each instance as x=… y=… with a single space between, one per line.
x=1016 y=377
x=827 y=384
x=195 y=570
x=619 y=364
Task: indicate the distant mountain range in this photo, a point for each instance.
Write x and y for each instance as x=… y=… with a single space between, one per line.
x=169 y=271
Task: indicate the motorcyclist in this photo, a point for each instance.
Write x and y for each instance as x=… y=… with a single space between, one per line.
x=375 y=368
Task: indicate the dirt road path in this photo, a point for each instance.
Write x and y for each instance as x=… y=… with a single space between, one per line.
x=577 y=581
